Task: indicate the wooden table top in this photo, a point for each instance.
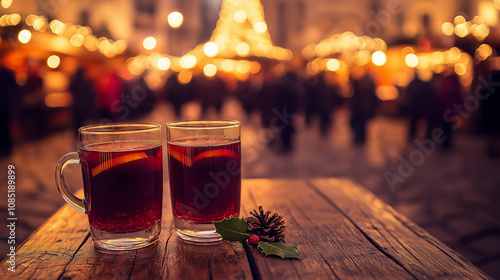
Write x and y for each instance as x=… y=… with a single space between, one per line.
x=344 y=231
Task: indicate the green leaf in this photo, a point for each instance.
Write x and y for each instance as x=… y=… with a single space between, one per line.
x=232 y=229
x=280 y=249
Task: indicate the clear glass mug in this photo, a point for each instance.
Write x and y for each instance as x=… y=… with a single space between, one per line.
x=122 y=182
x=204 y=165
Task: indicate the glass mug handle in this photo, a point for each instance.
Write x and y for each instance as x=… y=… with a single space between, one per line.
x=68 y=159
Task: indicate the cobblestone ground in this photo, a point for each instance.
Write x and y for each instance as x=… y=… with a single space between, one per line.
x=452 y=194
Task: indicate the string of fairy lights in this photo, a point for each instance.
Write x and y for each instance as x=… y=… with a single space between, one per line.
x=476 y=28
x=241 y=37
x=77 y=35
x=341 y=51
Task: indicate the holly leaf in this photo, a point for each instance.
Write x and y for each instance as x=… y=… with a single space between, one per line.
x=232 y=229
x=280 y=249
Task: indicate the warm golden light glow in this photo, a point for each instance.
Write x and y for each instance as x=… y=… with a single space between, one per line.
x=362 y=58
x=483 y=52
x=228 y=65
x=260 y=27
x=15 y=19
x=24 y=36
x=210 y=49
x=91 y=43
x=461 y=30
x=333 y=64
x=163 y=63
x=6 y=3
x=39 y=23
x=460 y=69
x=209 y=70
x=255 y=67
x=149 y=43
x=53 y=61
x=459 y=20
x=184 y=77
x=240 y=16
x=77 y=40
x=379 y=58
x=242 y=49
x=447 y=28
x=62 y=99
x=175 y=19
x=243 y=67
x=188 y=61
x=488 y=12
x=411 y=60
x=386 y=93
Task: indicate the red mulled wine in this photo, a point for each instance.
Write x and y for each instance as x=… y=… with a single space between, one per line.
x=205 y=179
x=123 y=185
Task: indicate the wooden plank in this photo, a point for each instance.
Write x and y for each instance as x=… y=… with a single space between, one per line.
x=49 y=248
x=170 y=258
x=400 y=239
x=219 y=261
x=333 y=248
x=344 y=232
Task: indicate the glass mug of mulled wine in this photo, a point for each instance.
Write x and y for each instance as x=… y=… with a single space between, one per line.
x=122 y=182
x=204 y=166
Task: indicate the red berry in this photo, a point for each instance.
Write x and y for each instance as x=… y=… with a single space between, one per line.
x=253 y=239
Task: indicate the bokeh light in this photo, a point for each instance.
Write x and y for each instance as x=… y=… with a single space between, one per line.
x=209 y=70
x=447 y=28
x=184 y=77
x=242 y=49
x=149 y=43
x=260 y=27
x=53 y=61
x=188 y=61
x=333 y=64
x=175 y=19
x=411 y=60
x=379 y=58
x=163 y=63
x=210 y=49
x=24 y=36
x=240 y=16
x=6 y=3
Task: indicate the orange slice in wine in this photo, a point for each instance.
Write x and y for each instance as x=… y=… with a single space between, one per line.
x=178 y=155
x=216 y=153
x=117 y=161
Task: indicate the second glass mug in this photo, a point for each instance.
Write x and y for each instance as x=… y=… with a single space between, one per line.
x=204 y=165
x=122 y=174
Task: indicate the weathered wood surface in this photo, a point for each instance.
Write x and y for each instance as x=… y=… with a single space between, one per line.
x=344 y=232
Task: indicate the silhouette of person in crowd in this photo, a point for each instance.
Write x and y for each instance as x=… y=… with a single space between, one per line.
x=420 y=102
x=490 y=113
x=10 y=90
x=247 y=92
x=448 y=95
x=138 y=97
x=175 y=93
x=84 y=95
x=34 y=111
x=321 y=100
x=211 y=92
x=363 y=105
x=286 y=99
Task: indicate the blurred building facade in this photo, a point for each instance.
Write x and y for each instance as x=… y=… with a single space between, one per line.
x=291 y=23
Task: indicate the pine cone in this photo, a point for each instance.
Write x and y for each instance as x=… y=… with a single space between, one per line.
x=268 y=228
